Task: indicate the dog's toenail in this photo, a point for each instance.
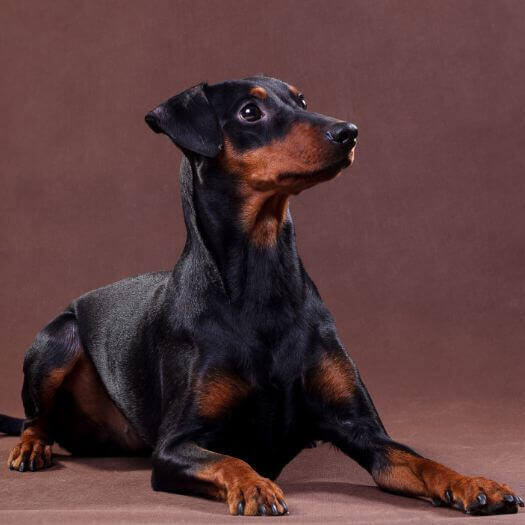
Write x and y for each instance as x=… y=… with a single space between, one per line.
x=482 y=498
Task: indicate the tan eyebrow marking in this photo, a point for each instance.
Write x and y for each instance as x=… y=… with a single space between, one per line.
x=293 y=90
x=259 y=92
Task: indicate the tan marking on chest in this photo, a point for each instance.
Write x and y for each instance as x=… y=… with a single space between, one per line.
x=333 y=378
x=219 y=393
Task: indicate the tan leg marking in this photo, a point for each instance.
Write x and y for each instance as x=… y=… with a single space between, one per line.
x=423 y=477
x=234 y=481
x=33 y=452
x=92 y=399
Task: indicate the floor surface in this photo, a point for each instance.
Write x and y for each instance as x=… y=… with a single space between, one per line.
x=321 y=485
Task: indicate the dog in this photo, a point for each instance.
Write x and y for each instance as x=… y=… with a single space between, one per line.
x=225 y=368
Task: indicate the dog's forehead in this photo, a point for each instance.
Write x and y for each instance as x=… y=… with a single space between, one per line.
x=226 y=93
x=274 y=85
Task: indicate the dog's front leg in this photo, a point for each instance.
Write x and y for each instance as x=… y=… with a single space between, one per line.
x=188 y=468
x=396 y=468
x=349 y=420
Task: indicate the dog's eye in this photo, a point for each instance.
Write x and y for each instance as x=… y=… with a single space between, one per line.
x=251 y=112
x=302 y=101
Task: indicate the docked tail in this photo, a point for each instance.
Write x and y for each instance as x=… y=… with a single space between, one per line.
x=11 y=426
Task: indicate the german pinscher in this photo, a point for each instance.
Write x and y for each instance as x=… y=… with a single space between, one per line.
x=225 y=368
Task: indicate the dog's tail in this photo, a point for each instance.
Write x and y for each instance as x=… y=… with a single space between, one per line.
x=12 y=426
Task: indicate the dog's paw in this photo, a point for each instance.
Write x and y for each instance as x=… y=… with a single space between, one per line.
x=256 y=496
x=30 y=454
x=480 y=496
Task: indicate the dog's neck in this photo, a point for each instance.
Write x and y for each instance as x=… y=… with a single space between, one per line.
x=219 y=231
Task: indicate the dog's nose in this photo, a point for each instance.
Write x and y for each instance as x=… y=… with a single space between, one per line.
x=342 y=133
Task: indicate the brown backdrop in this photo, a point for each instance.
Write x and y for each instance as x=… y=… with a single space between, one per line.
x=418 y=250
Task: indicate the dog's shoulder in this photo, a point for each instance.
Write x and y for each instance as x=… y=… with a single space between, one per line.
x=125 y=294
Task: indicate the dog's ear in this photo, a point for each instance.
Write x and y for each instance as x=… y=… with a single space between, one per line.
x=189 y=120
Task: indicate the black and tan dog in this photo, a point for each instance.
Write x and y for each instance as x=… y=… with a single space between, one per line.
x=225 y=368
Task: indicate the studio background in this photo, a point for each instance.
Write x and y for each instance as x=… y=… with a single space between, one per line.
x=418 y=250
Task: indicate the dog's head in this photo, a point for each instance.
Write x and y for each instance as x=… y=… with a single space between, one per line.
x=259 y=129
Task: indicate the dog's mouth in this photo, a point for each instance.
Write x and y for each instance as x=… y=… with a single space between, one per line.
x=320 y=175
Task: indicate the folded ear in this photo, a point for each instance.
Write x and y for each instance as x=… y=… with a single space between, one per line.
x=189 y=120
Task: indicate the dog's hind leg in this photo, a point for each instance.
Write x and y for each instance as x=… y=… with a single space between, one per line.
x=51 y=357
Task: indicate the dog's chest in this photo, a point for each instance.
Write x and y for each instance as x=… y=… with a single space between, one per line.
x=225 y=396
x=260 y=420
